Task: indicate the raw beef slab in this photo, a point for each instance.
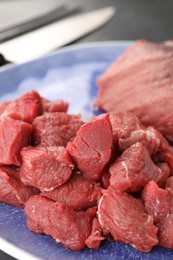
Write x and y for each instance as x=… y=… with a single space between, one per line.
x=140 y=81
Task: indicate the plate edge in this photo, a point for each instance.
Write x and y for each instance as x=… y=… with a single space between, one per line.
x=67 y=49
x=16 y=252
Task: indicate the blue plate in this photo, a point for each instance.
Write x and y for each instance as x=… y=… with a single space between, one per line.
x=70 y=74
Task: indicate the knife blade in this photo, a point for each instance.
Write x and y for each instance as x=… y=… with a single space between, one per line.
x=21 y=28
x=57 y=34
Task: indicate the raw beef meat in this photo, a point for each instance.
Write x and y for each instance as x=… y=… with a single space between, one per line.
x=165 y=173
x=127 y=130
x=169 y=184
x=55 y=128
x=94 y=240
x=78 y=192
x=54 y=106
x=159 y=204
x=45 y=168
x=25 y=108
x=123 y=124
x=3 y=106
x=14 y=135
x=158 y=201
x=165 y=156
x=152 y=139
x=12 y=190
x=59 y=221
x=140 y=81
x=105 y=178
x=127 y=220
x=133 y=169
x=91 y=148
x=81 y=183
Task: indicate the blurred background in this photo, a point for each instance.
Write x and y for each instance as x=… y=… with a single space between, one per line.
x=134 y=19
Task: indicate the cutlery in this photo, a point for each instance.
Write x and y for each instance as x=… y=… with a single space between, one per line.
x=42 y=20
x=57 y=34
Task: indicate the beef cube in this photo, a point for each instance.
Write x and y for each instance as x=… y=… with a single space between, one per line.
x=105 y=179
x=169 y=184
x=158 y=201
x=3 y=106
x=165 y=232
x=133 y=169
x=25 y=108
x=127 y=220
x=123 y=124
x=165 y=156
x=166 y=173
x=78 y=192
x=54 y=106
x=55 y=129
x=140 y=81
x=59 y=221
x=91 y=148
x=12 y=190
x=159 y=204
x=127 y=130
x=45 y=168
x=152 y=139
x=95 y=238
x=14 y=135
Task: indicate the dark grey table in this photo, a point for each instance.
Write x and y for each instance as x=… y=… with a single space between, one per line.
x=134 y=19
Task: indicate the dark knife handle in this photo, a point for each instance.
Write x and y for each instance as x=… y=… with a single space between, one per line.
x=3 y=61
x=17 y=30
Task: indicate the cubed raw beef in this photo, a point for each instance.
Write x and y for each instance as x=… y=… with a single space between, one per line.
x=3 y=106
x=59 y=221
x=126 y=218
x=165 y=232
x=158 y=201
x=159 y=204
x=105 y=178
x=91 y=148
x=152 y=139
x=12 y=190
x=133 y=169
x=165 y=173
x=54 y=106
x=55 y=128
x=169 y=184
x=165 y=156
x=140 y=81
x=45 y=168
x=14 y=135
x=127 y=130
x=95 y=238
x=78 y=192
x=124 y=123
x=25 y=108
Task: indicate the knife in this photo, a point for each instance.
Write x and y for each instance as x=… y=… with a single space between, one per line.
x=57 y=34
x=51 y=16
